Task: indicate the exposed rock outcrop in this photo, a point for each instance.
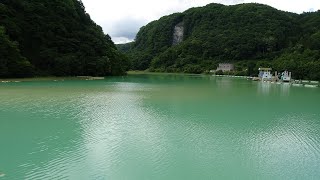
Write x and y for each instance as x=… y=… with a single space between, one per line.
x=178 y=33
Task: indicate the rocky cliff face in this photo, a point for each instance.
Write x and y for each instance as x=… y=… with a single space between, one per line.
x=178 y=33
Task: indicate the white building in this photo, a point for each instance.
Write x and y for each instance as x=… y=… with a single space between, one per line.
x=286 y=76
x=224 y=67
x=265 y=74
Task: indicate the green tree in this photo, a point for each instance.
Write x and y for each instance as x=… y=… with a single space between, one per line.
x=249 y=35
x=59 y=38
x=12 y=64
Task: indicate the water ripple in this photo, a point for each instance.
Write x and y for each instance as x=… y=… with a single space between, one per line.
x=158 y=128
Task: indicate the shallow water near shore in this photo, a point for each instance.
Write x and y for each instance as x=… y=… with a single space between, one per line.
x=159 y=126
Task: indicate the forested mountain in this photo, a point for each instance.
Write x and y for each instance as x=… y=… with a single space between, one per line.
x=249 y=35
x=54 y=37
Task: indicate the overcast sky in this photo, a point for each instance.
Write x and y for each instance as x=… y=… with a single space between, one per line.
x=122 y=19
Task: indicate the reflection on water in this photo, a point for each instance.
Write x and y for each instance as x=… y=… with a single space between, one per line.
x=265 y=88
x=285 y=89
x=159 y=127
x=224 y=83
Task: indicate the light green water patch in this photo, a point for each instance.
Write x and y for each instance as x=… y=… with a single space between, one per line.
x=159 y=126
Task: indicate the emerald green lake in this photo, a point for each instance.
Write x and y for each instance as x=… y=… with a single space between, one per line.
x=158 y=127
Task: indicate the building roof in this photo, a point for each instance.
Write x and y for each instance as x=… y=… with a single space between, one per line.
x=265 y=69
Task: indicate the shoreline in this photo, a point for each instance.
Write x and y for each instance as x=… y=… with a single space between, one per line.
x=163 y=73
x=55 y=78
x=49 y=78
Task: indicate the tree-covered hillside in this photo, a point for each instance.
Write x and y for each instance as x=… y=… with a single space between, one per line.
x=249 y=35
x=54 y=37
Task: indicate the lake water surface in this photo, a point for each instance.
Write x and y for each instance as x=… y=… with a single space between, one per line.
x=158 y=127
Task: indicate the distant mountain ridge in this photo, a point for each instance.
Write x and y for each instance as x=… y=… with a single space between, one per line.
x=53 y=37
x=249 y=35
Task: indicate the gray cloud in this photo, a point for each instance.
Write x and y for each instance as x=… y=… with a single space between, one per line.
x=127 y=27
x=312 y=10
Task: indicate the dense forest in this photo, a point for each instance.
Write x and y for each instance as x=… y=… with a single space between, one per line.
x=248 y=35
x=54 y=37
